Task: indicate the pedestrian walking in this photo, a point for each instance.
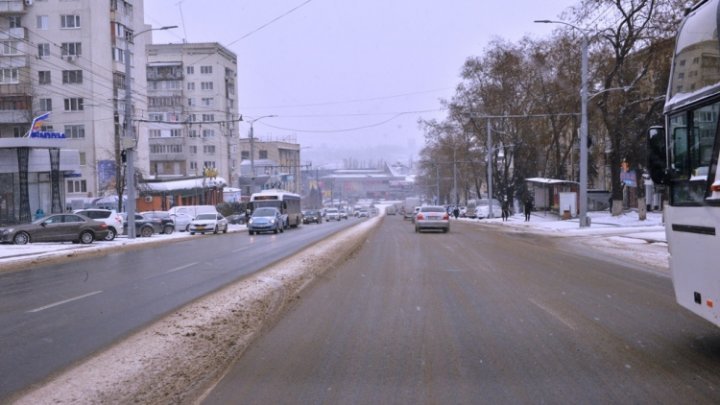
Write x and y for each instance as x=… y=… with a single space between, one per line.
x=456 y=212
x=505 y=211
x=528 y=209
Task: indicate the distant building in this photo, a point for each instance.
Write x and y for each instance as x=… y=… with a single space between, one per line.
x=388 y=182
x=276 y=164
x=192 y=110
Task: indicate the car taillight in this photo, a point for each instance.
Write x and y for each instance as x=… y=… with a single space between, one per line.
x=446 y=217
x=103 y=226
x=420 y=217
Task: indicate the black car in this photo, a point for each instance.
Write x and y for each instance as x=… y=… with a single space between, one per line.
x=144 y=226
x=312 y=217
x=168 y=224
x=236 y=219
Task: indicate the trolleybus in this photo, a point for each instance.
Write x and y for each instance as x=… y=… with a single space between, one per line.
x=288 y=203
x=683 y=156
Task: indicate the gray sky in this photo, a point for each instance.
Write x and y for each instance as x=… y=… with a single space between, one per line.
x=349 y=75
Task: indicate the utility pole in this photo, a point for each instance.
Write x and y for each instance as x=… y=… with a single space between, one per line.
x=489 y=170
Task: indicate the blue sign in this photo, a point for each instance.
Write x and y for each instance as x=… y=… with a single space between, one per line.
x=47 y=135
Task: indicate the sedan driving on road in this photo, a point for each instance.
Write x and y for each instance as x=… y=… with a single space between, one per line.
x=432 y=217
x=208 y=222
x=265 y=219
x=56 y=228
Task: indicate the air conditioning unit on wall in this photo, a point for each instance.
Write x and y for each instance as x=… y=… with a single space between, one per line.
x=28 y=2
x=148 y=199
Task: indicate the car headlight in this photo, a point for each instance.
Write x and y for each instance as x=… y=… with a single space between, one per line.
x=250 y=221
x=272 y=221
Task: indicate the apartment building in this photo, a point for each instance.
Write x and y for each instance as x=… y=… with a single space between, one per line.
x=192 y=111
x=67 y=58
x=276 y=164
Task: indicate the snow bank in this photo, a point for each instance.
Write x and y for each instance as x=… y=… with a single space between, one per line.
x=179 y=357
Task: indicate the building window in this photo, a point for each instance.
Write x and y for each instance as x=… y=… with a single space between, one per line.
x=77 y=186
x=75 y=131
x=206 y=101
x=208 y=133
x=74 y=104
x=209 y=149
x=245 y=155
x=71 y=49
x=206 y=85
x=209 y=163
x=44 y=77
x=176 y=133
x=45 y=104
x=72 y=76
x=156 y=117
x=263 y=154
x=83 y=159
x=9 y=76
x=154 y=133
x=193 y=166
x=69 y=21
x=206 y=70
x=190 y=70
x=42 y=22
x=193 y=149
x=192 y=133
x=14 y=21
x=9 y=48
x=191 y=86
x=43 y=50
x=191 y=102
x=208 y=117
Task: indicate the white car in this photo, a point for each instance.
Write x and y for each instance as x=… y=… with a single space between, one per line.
x=208 y=222
x=113 y=220
x=332 y=214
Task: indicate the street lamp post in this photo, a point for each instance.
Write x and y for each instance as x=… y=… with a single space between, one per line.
x=252 y=149
x=582 y=204
x=130 y=140
x=489 y=170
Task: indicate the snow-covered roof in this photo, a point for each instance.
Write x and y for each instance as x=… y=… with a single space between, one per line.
x=545 y=180
x=185 y=184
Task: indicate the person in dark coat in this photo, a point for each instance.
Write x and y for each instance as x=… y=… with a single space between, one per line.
x=505 y=211
x=456 y=212
x=528 y=209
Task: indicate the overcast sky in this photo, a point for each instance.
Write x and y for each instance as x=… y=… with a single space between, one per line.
x=347 y=75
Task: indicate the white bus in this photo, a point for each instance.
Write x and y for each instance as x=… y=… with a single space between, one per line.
x=684 y=158
x=288 y=203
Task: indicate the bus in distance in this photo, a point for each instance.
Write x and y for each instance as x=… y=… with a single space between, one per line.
x=683 y=157
x=288 y=203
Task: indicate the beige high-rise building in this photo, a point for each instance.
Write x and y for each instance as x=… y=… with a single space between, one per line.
x=67 y=58
x=192 y=111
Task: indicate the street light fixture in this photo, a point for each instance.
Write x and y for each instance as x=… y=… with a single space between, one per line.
x=583 y=120
x=131 y=141
x=252 y=149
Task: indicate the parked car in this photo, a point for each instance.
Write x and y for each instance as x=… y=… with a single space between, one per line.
x=182 y=220
x=208 y=222
x=112 y=218
x=73 y=227
x=432 y=217
x=265 y=219
x=236 y=219
x=312 y=217
x=144 y=226
x=167 y=222
x=332 y=214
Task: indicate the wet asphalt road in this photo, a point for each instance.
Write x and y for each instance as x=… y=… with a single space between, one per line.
x=479 y=316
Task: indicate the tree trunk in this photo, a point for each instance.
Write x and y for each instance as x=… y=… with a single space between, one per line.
x=642 y=209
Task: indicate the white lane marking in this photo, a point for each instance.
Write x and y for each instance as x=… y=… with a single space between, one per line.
x=557 y=316
x=180 y=268
x=64 y=301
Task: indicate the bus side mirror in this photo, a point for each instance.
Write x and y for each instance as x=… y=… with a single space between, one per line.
x=657 y=155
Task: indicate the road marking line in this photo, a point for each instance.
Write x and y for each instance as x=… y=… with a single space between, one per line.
x=557 y=316
x=64 y=302
x=181 y=268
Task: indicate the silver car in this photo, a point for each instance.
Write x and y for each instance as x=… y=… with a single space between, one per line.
x=432 y=217
x=208 y=222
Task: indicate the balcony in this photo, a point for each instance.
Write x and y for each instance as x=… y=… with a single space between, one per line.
x=13 y=33
x=15 y=117
x=12 y=6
